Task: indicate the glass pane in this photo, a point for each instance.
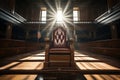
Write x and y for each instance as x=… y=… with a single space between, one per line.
x=75 y=19
x=43 y=15
x=44 y=19
x=75 y=15
x=59 y=16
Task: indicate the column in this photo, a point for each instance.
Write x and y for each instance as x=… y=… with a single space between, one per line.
x=27 y=35
x=90 y=35
x=109 y=4
x=114 y=31
x=9 y=31
x=94 y=34
x=12 y=6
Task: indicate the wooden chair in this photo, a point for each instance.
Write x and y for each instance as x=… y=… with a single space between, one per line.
x=59 y=51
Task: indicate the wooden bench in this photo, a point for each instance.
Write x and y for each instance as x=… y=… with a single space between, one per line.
x=14 y=47
x=107 y=47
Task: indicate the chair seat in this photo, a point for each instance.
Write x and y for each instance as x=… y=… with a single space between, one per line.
x=59 y=50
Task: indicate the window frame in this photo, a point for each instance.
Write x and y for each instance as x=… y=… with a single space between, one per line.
x=43 y=15
x=76 y=17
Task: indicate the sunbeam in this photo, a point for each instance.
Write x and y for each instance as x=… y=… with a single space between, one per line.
x=66 y=8
x=58 y=16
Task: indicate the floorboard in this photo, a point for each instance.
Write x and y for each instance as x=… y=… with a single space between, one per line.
x=29 y=66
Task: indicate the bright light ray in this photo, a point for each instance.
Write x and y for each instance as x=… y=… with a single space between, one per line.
x=59 y=17
x=51 y=7
x=65 y=10
x=50 y=29
x=57 y=4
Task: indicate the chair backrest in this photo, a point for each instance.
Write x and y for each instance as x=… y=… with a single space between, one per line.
x=59 y=37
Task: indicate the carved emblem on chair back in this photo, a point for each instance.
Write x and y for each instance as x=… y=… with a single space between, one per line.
x=59 y=37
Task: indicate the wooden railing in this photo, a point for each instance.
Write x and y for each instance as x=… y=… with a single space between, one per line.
x=108 y=47
x=13 y=47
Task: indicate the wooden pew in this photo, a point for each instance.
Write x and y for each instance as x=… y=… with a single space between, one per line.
x=107 y=47
x=13 y=47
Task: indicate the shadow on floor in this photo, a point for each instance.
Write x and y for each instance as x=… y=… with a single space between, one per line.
x=60 y=76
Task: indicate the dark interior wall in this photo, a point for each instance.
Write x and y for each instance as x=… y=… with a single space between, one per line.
x=5 y=4
x=90 y=13
x=90 y=9
x=33 y=36
x=2 y=29
x=28 y=9
x=43 y=36
x=82 y=36
x=112 y=3
x=22 y=8
x=103 y=32
x=18 y=33
x=118 y=28
x=100 y=32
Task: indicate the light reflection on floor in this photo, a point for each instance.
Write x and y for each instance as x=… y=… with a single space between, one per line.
x=8 y=65
x=28 y=66
x=83 y=61
x=95 y=65
x=18 y=77
x=102 y=77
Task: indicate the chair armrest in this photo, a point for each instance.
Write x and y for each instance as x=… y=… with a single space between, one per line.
x=47 y=46
x=71 y=45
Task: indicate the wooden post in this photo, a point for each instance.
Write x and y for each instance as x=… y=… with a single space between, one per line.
x=94 y=34
x=114 y=31
x=12 y=6
x=109 y=4
x=90 y=34
x=46 y=52
x=27 y=35
x=72 y=52
x=9 y=31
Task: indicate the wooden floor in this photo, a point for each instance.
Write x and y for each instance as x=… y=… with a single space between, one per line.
x=28 y=66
